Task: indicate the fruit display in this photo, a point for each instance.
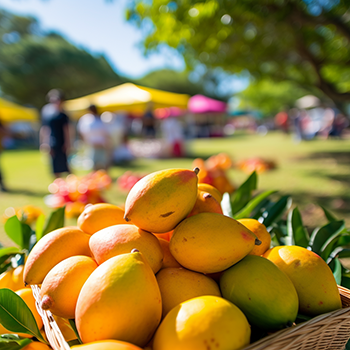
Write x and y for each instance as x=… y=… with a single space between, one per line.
x=128 y=180
x=75 y=192
x=172 y=269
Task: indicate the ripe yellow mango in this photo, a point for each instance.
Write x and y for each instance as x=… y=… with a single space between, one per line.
x=210 y=242
x=168 y=259
x=96 y=217
x=160 y=200
x=262 y=291
x=202 y=323
x=121 y=239
x=35 y=345
x=178 y=285
x=54 y=247
x=120 y=300
x=212 y=190
x=107 y=345
x=61 y=286
x=205 y=203
x=312 y=278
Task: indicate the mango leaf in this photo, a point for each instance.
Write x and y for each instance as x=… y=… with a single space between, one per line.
x=56 y=220
x=321 y=235
x=260 y=208
x=277 y=236
x=16 y=316
x=39 y=226
x=26 y=234
x=344 y=239
x=6 y=253
x=74 y=342
x=13 y=229
x=340 y=252
x=345 y=281
x=5 y=267
x=330 y=217
x=244 y=213
x=296 y=230
x=244 y=193
x=337 y=271
x=329 y=245
x=226 y=205
x=13 y=342
x=277 y=210
x=74 y=327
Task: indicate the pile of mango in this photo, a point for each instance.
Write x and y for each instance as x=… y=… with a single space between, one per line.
x=170 y=271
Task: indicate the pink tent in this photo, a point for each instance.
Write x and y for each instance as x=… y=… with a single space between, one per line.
x=203 y=104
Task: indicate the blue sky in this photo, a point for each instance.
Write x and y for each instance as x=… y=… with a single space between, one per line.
x=98 y=26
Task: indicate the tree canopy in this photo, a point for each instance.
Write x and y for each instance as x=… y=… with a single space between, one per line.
x=306 y=42
x=32 y=62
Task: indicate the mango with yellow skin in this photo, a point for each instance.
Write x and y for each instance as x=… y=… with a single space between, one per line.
x=312 y=278
x=106 y=345
x=202 y=323
x=120 y=300
x=160 y=200
x=51 y=249
x=210 y=242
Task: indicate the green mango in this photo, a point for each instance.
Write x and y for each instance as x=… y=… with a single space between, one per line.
x=262 y=291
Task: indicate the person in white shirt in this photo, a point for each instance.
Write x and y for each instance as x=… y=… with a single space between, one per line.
x=94 y=132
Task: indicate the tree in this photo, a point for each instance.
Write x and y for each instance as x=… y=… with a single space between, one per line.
x=303 y=41
x=33 y=62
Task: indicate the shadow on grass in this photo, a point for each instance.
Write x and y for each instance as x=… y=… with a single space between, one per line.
x=342 y=158
x=26 y=192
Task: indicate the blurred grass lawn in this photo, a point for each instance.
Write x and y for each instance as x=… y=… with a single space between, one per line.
x=314 y=173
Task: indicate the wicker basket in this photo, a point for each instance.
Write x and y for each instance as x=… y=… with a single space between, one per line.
x=329 y=331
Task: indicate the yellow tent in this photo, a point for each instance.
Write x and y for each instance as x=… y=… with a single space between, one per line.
x=127 y=97
x=11 y=112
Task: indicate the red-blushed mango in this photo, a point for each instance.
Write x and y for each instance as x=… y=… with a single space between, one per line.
x=260 y=232
x=36 y=345
x=54 y=247
x=107 y=345
x=178 y=285
x=61 y=286
x=205 y=203
x=262 y=292
x=202 y=323
x=168 y=259
x=96 y=217
x=120 y=300
x=312 y=278
x=210 y=242
x=160 y=200
x=121 y=239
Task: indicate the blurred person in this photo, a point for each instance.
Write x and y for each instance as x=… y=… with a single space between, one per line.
x=54 y=133
x=95 y=134
x=296 y=118
x=282 y=121
x=173 y=134
x=149 y=122
x=340 y=122
x=3 y=133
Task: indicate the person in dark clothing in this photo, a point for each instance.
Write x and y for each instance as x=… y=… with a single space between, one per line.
x=149 y=122
x=54 y=133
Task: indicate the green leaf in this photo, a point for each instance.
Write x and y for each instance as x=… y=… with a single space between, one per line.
x=16 y=316
x=13 y=229
x=337 y=271
x=74 y=327
x=56 y=220
x=330 y=217
x=277 y=236
x=74 y=342
x=329 y=245
x=6 y=253
x=296 y=230
x=244 y=213
x=345 y=282
x=277 y=210
x=244 y=193
x=226 y=205
x=39 y=227
x=13 y=342
x=340 y=252
x=260 y=208
x=320 y=236
x=26 y=233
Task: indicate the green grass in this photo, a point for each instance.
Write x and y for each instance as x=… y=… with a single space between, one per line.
x=314 y=173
